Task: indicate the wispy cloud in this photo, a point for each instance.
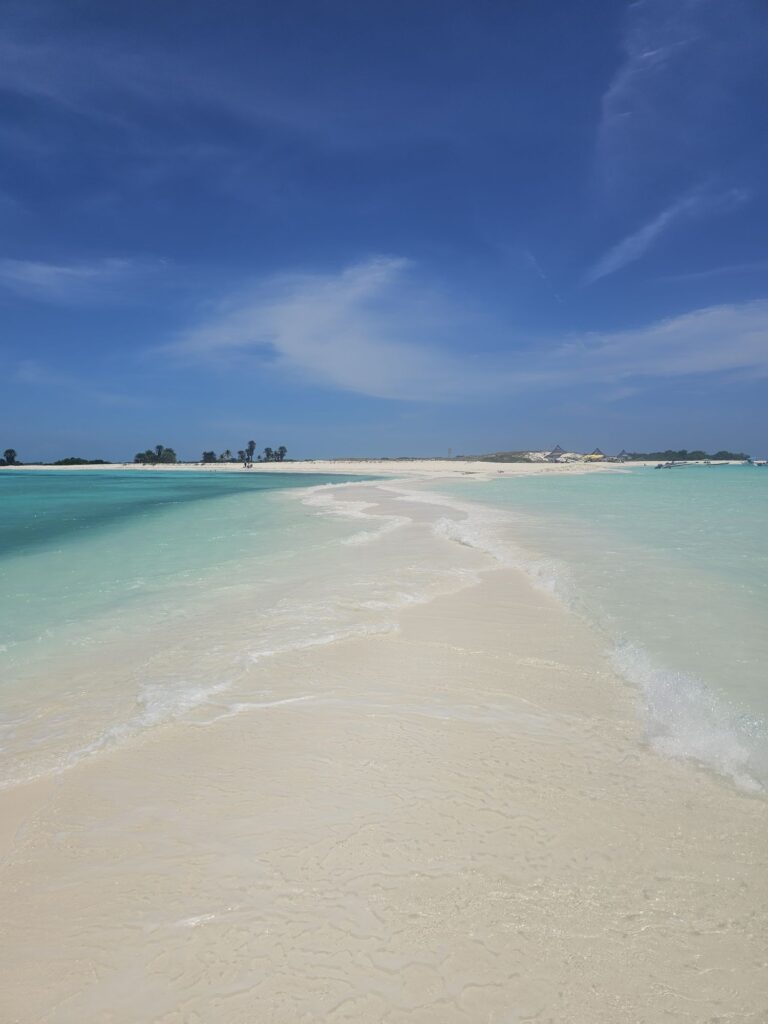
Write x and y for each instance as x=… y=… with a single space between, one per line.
x=72 y=283
x=542 y=274
x=716 y=340
x=729 y=269
x=654 y=42
x=369 y=329
x=136 y=86
x=677 y=96
x=634 y=246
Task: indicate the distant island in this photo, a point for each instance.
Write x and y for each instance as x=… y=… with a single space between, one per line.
x=73 y=461
x=162 y=455
x=685 y=456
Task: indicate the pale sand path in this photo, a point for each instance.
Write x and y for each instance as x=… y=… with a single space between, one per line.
x=422 y=468
x=460 y=824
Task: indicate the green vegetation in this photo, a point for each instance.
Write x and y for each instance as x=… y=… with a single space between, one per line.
x=74 y=461
x=161 y=455
x=275 y=455
x=245 y=455
x=157 y=455
x=683 y=455
x=495 y=457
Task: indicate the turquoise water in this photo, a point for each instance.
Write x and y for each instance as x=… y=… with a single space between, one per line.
x=672 y=566
x=75 y=544
x=129 y=597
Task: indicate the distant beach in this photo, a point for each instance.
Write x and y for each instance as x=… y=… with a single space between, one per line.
x=341 y=751
x=379 y=467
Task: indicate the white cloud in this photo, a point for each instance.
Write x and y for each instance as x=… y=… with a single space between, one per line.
x=369 y=329
x=364 y=329
x=655 y=40
x=96 y=76
x=720 y=339
x=758 y=267
x=71 y=282
x=634 y=246
x=689 y=68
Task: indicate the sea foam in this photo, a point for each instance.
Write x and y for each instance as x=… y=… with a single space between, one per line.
x=683 y=718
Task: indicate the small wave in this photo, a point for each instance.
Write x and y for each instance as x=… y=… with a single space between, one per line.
x=323 y=639
x=163 y=703
x=685 y=719
x=332 y=506
x=489 y=530
x=159 y=703
x=239 y=707
x=325 y=498
x=391 y=524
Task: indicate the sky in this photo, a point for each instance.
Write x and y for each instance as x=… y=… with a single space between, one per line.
x=358 y=228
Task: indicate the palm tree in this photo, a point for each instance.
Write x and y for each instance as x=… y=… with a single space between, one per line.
x=10 y=456
x=282 y=451
x=157 y=454
x=269 y=454
x=250 y=449
x=241 y=455
x=226 y=456
x=209 y=457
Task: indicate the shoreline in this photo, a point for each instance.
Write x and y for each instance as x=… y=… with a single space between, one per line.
x=452 y=822
x=427 y=468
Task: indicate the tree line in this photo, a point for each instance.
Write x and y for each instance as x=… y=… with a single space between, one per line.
x=10 y=458
x=161 y=455
x=246 y=455
x=683 y=455
x=157 y=455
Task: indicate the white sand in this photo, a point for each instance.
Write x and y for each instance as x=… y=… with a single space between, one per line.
x=424 y=468
x=455 y=822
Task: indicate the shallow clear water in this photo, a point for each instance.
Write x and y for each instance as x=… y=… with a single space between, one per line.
x=76 y=545
x=126 y=598
x=129 y=599
x=673 y=567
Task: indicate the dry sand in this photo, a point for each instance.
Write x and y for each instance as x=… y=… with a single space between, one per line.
x=422 y=468
x=455 y=822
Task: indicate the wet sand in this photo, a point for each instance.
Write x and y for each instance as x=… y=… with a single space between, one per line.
x=458 y=821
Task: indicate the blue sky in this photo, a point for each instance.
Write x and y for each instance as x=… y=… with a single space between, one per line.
x=358 y=228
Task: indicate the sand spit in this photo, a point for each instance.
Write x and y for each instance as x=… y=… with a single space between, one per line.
x=452 y=823
x=426 y=468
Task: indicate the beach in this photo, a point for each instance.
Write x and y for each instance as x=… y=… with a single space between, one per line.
x=439 y=806
x=353 y=703
x=421 y=468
